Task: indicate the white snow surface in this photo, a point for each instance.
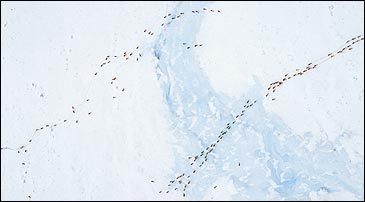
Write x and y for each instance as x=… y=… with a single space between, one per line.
x=307 y=144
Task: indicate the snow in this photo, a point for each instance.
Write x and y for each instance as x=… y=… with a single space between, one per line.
x=308 y=144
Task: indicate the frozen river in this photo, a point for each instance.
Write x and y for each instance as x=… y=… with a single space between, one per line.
x=181 y=108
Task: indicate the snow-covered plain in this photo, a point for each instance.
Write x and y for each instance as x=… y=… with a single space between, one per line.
x=308 y=144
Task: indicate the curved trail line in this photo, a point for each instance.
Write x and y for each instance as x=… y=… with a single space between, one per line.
x=348 y=46
x=109 y=59
x=184 y=179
